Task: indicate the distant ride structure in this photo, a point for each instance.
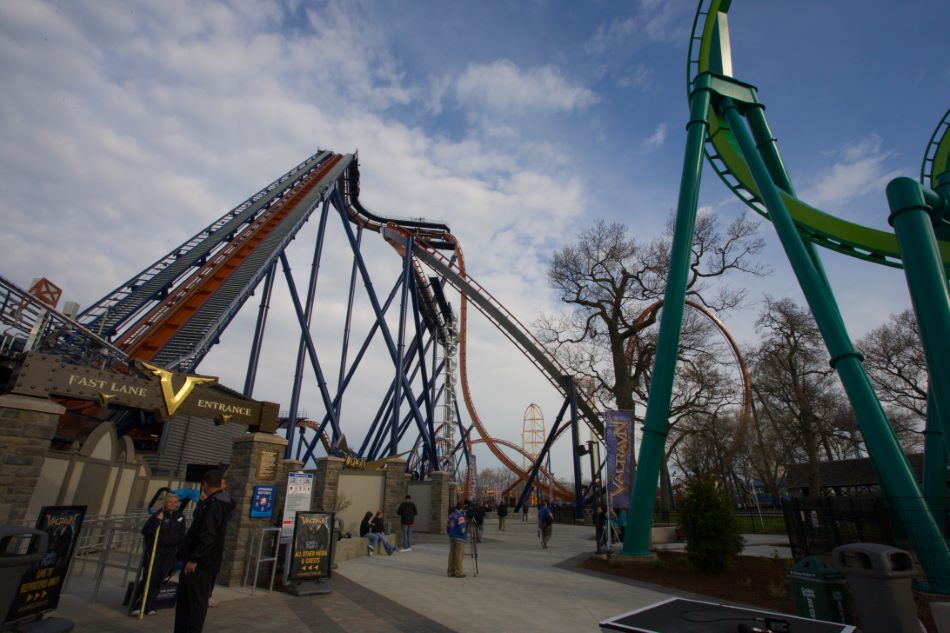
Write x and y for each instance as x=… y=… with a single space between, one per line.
x=727 y=124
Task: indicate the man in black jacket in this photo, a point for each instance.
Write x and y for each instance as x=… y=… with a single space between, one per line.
x=202 y=552
x=170 y=535
x=407 y=518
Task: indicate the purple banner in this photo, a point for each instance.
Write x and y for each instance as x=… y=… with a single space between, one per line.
x=618 y=438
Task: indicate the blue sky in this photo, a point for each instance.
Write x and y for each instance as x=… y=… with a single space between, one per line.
x=128 y=126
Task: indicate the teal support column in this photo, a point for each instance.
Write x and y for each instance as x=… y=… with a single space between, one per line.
x=656 y=425
x=935 y=463
x=914 y=210
x=897 y=479
x=767 y=146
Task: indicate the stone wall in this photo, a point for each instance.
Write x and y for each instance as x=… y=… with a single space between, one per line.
x=394 y=493
x=326 y=479
x=242 y=476
x=440 y=502
x=26 y=427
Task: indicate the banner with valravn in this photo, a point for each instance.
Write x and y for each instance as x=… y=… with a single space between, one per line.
x=618 y=438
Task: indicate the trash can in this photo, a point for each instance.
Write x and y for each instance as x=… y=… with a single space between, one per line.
x=819 y=591
x=14 y=561
x=879 y=577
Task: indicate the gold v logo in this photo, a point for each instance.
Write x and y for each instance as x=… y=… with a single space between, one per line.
x=174 y=399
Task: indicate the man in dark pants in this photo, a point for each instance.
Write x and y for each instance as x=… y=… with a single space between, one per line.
x=202 y=552
x=170 y=535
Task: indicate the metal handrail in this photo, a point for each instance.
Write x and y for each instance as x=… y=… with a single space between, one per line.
x=42 y=328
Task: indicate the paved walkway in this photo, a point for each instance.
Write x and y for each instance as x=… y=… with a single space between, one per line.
x=519 y=587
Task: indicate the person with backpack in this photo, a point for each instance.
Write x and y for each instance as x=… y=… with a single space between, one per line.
x=407 y=518
x=545 y=523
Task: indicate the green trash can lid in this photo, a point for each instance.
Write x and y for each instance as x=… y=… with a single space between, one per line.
x=815 y=568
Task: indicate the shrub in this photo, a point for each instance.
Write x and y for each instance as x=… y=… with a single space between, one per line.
x=712 y=533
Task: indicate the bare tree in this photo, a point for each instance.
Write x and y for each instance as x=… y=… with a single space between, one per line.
x=614 y=285
x=895 y=362
x=797 y=393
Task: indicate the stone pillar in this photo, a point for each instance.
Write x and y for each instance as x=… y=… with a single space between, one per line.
x=243 y=475
x=440 y=508
x=325 y=483
x=27 y=425
x=394 y=490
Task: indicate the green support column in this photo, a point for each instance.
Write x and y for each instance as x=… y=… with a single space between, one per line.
x=897 y=479
x=914 y=210
x=935 y=463
x=656 y=425
x=768 y=149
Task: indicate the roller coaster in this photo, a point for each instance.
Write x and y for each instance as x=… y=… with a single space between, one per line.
x=727 y=124
x=175 y=310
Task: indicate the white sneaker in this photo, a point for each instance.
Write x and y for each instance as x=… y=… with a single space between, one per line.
x=152 y=612
x=212 y=602
x=136 y=612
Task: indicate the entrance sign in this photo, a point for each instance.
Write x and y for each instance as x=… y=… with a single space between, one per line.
x=41 y=584
x=299 y=488
x=262 y=503
x=311 y=546
x=160 y=391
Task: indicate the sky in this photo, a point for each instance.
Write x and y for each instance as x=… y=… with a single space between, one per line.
x=126 y=127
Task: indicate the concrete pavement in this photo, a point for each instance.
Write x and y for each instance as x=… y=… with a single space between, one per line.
x=519 y=587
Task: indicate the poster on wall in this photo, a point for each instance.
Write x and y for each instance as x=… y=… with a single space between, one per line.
x=299 y=488
x=262 y=503
x=40 y=586
x=311 y=546
x=618 y=438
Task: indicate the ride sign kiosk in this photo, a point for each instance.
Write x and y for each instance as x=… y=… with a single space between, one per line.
x=311 y=550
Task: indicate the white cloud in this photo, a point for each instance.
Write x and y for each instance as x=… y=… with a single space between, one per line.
x=860 y=167
x=502 y=85
x=654 y=21
x=656 y=139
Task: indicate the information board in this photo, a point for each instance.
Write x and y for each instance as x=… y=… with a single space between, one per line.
x=299 y=489
x=312 y=546
x=262 y=503
x=40 y=586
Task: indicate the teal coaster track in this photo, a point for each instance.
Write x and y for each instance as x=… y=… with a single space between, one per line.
x=727 y=124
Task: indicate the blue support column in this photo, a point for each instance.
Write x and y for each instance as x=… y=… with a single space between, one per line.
x=349 y=374
x=400 y=346
x=311 y=350
x=298 y=368
x=338 y=403
x=259 y=332
x=384 y=328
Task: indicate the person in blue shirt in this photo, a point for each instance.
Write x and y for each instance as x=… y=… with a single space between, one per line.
x=545 y=523
x=458 y=534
